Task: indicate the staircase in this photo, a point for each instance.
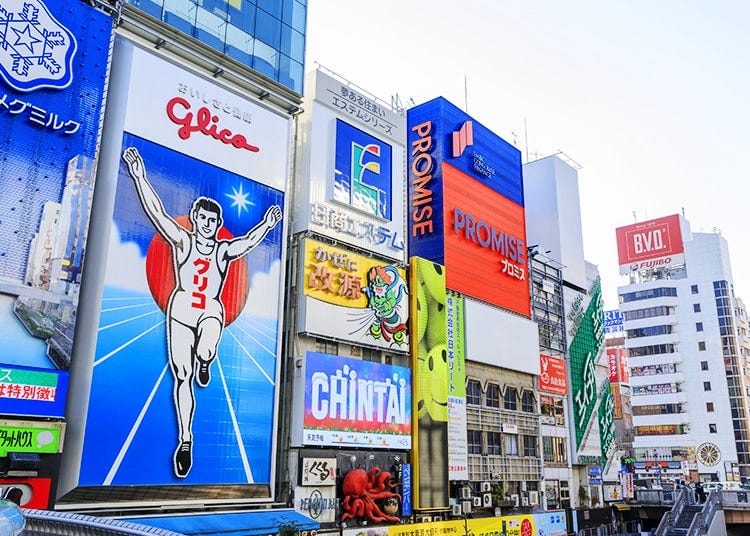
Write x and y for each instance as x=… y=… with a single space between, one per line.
x=684 y=520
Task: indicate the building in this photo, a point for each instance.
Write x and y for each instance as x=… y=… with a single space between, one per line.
x=686 y=352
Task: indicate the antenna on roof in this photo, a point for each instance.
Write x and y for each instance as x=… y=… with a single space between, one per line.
x=466 y=96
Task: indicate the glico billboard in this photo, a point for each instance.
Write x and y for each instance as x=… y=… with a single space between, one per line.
x=184 y=377
x=650 y=244
x=53 y=70
x=466 y=205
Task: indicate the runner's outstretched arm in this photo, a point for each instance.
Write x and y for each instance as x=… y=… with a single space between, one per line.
x=242 y=245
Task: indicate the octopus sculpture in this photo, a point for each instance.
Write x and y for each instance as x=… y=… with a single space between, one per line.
x=361 y=490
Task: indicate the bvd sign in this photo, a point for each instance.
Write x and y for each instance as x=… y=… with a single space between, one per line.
x=650 y=244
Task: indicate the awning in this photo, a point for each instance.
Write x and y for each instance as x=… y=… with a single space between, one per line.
x=254 y=522
x=621 y=506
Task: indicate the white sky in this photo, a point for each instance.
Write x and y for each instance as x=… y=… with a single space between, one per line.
x=649 y=97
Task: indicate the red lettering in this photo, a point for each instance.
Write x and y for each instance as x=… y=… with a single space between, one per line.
x=178 y=111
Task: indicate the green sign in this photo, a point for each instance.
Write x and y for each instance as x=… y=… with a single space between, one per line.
x=606 y=422
x=27 y=439
x=456 y=340
x=584 y=348
x=28 y=377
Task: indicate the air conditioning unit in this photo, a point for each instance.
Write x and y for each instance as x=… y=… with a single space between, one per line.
x=533 y=498
x=524 y=501
x=455 y=509
x=477 y=500
x=486 y=500
x=466 y=492
x=485 y=486
x=515 y=499
x=466 y=506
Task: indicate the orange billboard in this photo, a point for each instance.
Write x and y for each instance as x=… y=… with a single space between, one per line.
x=485 y=243
x=554 y=376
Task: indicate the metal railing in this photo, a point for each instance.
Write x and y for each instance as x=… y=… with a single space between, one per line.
x=43 y=522
x=703 y=519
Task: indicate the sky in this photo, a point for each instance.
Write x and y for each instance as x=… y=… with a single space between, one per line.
x=647 y=98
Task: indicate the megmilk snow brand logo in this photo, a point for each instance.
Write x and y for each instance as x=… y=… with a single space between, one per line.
x=36 y=51
x=363 y=172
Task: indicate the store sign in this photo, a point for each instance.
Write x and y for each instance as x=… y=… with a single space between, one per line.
x=33 y=392
x=584 y=350
x=41 y=440
x=318 y=471
x=651 y=244
x=554 y=375
x=318 y=503
x=349 y=402
x=458 y=447
x=606 y=422
x=616 y=400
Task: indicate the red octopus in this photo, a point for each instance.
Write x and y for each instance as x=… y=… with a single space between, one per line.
x=362 y=489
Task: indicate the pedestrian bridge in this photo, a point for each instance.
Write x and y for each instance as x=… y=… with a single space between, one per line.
x=734 y=503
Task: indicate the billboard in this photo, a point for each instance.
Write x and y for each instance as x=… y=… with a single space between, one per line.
x=352 y=297
x=53 y=72
x=584 y=349
x=429 y=358
x=650 y=244
x=354 y=403
x=613 y=321
x=32 y=391
x=553 y=377
x=183 y=381
x=352 y=155
x=458 y=445
x=466 y=205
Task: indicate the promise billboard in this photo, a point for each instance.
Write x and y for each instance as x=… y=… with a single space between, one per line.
x=183 y=382
x=650 y=244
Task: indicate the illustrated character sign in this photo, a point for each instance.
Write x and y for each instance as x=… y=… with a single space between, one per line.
x=387 y=298
x=195 y=313
x=361 y=491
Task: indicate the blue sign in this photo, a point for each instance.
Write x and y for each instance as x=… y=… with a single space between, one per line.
x=29 y=391
x=406 y=489
x=53 y=67
x=613 y=321
x=363 y=173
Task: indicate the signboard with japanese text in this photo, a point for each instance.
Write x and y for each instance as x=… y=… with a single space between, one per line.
x=53 y=73
x=542 y=524
x=429 y=361
x=606 y=423
x=458 y=446
x=352 y=297
x=466 y=206
x=318 y=471
x=353 y=403
x=616 y=400
x=613 y=321
x=650 y=245
x=554 y=375
x=31 y=391
x=352 y=156
x=613 y=365
x=183 y=381
x=584 y=349
x=29 y=436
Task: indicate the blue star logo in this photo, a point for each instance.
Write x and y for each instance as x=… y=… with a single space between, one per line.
x=240 y=200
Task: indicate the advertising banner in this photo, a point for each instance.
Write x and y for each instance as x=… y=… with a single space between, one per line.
x=318 y=503
x=30 y=436
x=430 y=365
x=183 y=386
x=53 y=72
x=616 y=400
x=318 y=471
x=584 y=349
x=650 y=244
x=613 y=365
x=613 y=321
x=353 y=298
x=554 y=375
x=356 y=197
x=32 y=391
x=622 y=360
x=349 y=402
x=606 y=422
x=458 y=446
x=543 y=524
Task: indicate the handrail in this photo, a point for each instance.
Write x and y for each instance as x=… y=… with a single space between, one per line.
x=668 y=520
x=703 y=519
x=70 y=524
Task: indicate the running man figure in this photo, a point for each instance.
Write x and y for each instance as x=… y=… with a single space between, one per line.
x=195 y=314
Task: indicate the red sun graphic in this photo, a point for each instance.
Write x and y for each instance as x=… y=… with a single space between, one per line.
x=161 y=281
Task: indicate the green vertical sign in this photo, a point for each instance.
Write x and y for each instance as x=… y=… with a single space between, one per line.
x=606 y=422
x=456 y=344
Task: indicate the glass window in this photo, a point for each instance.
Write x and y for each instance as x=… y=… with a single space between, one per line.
x=706 y=386
x=493 y=396
x=511 y=445
x=701 y=345
x=530 y=446
x=493 y=443
x=474 y=440
x=704 y=365
x=325 y=346
x=527 y=402
x=153 y=8
x=266 y=59
x=699 y=326
x=268 y=29
x=696 y=307
x=511 y=398
x=271 y=6
x=292 y=43
x=712 y=428
x=290 y=73
x=709 y=407
x=294 y=14
x=694 y=289
x=473 y=393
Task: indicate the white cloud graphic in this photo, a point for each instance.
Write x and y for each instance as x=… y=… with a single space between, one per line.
x=263 y=300
x=126 y=267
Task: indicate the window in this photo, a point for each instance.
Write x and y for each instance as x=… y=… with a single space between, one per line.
x=555 y=449
x=511 y=397
x=530 y=446
x=699 y=326
x=648 y=331
x=369 y=354
x=694 y=289
x=696 y=307
x=527 y=402
x=702 y=346
x=712 y=428
x=493 y=443
x=647 y=294
x=709 y=407
x=473 y=393
x=511 y=445
x=493 y=396
x=704 y=365
x=706 y=386
x=474 y=440
x=325 y=346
